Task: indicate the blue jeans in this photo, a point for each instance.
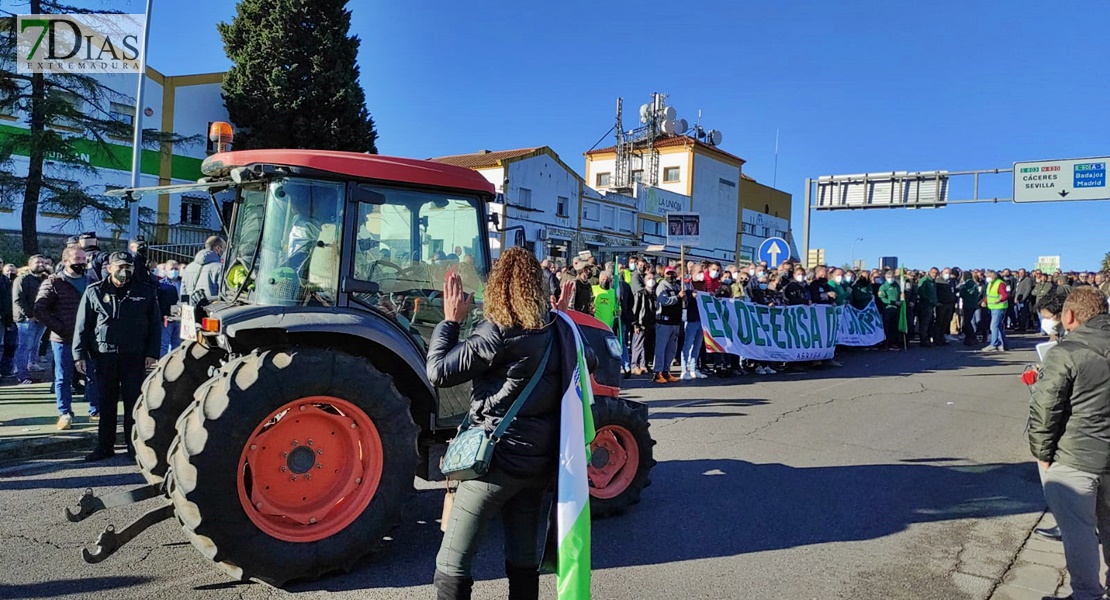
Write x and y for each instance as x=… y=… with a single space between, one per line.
x=691 y=346
x=998 y=331
x=666 y=343
x=171 y=336
x=30 y=337
x=63 y=376
x=92 y=387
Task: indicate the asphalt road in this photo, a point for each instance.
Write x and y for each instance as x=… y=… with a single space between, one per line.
x=899 y=476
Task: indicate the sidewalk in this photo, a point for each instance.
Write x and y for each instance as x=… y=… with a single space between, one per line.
x=28 y=423
x=1038 y=571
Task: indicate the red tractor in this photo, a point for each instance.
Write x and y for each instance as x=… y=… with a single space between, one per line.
x=287 y=429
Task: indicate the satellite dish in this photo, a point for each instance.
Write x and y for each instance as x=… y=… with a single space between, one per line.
x=681 y=126
x=714 y=137
x=668 y=127
x=645 y=113
x=669 y=113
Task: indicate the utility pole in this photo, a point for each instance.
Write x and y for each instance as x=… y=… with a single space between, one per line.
x=137 y=141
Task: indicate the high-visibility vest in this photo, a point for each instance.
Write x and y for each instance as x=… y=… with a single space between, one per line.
x=994 y=298
x=605 y=304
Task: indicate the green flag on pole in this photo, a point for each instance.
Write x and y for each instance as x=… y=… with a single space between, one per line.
x=573 y=494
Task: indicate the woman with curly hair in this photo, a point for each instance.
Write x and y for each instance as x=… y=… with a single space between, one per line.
x=500 y=357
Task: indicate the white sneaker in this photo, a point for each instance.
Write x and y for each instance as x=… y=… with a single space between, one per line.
x=699 y=374
x=769 y=371
x=686 y=376
x=64 y=422
x=760 y=370
x=990 y=349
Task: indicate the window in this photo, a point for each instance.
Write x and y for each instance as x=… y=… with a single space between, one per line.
x=64 y=117
x=671 y=174
x=603 y=179
x=608 y=215
x=627 y=221
x=561 y=206
x=651 y=227
x=726 y=183
x=766 y=209
x=638 y=176
x=123 y=113
x=192 y=211
x=524 y=198
x=747 y=228
x=591 y=211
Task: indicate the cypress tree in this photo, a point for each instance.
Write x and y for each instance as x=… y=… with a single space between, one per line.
x=294 y=83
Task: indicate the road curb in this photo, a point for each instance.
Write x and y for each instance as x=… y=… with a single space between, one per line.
x=18 y=448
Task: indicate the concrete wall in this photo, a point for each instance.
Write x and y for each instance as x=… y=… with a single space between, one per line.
x=715 y=197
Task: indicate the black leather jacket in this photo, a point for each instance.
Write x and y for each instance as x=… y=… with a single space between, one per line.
x=500 y=361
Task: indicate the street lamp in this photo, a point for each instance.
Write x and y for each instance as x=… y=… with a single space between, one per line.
x=854 y=251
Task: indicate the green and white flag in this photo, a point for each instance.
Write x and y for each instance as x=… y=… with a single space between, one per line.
x=573 y=497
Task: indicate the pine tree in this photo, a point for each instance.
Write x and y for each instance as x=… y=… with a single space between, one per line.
x=64 y=111
x=294 y=83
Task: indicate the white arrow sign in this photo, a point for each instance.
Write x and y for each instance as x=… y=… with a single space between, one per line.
x=774 y=251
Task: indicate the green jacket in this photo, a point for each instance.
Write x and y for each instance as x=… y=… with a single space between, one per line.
x=969 y=293
x=841 y=293
x=890 y=294
x=1042 y=289
x=927 y=292
x=1070 y=401
x=862 y=293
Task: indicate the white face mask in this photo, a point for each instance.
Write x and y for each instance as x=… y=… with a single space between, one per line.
x=1049 y=326
x=714 y=274
x=799 y=278
x=838 y=278
x=945 y=276
x=649 y=283
x=848 y=278
x=699 y=277
x=751 y=272
x=990 y=279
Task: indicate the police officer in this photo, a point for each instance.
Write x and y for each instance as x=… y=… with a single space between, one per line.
x=119 y=331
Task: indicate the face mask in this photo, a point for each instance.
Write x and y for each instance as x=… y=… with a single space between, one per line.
x=763 y=286
x=172 y=274
x=847 y=279
x=123 y=275
x=758 y=274
x=945 y=276
x=605 y=285
x=990 y=279
x=726 y=281
x=838 y=278
x=879 y=280
x=1049 y=326
x=799 y=278
x=751 y=272
x=714 y=274
x=649 y=283
x=699 y=277
x=78 y=268
x=909 y=286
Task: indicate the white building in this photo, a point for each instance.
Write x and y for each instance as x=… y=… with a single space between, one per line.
x=545 y=206
x=184 y=105
x=707 y=175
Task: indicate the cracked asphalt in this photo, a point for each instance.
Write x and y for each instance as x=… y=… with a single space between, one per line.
x=900 y=476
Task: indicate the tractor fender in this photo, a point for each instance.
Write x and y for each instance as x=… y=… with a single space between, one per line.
x=391 y=350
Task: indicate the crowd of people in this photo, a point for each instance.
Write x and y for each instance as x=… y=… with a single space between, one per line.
x=654 y=304
x=97 y=321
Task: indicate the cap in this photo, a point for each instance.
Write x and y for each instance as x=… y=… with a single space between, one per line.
x=121 y=258
x=668 y=270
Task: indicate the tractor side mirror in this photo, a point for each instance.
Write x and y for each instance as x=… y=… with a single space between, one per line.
x=495 y=219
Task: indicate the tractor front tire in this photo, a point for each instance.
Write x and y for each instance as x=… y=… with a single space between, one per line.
x=167 y=391
x=621 y=455
x=291 y=464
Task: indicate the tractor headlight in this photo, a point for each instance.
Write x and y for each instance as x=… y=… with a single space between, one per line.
x=614 y=346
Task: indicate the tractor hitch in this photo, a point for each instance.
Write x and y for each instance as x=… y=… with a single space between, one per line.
x=110 y=541
x=90 y=504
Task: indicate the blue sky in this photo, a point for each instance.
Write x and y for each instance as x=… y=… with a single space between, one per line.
x=853 y=87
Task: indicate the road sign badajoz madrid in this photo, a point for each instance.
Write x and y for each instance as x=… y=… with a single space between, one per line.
x=1057 y=180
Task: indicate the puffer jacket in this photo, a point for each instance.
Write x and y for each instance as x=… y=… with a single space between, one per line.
x=500 y=361
x=1069 y=413
x=56 y=307
x=24 y=291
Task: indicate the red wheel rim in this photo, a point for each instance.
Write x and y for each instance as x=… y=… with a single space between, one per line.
x=310 y=469
x=614 y=460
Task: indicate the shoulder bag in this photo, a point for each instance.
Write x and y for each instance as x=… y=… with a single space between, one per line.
x=468 y=456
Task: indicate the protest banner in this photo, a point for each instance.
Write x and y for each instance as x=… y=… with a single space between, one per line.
x=785 y=333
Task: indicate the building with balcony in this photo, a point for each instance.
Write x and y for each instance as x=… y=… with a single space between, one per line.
x=182 y=104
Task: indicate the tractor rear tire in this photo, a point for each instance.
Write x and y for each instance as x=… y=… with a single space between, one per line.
x=242 y=452
x=621 y=455
x=167 y=391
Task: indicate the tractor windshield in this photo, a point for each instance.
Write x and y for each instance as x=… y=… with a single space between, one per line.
x=405 y=243
x=286 y=242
